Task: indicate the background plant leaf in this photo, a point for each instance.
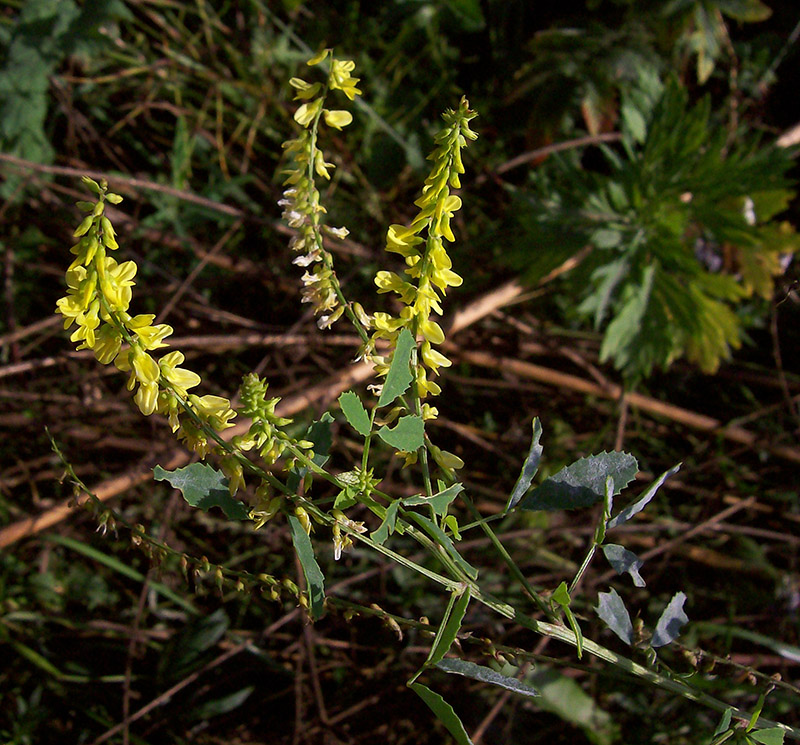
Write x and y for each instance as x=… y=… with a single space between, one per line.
x=204 y=487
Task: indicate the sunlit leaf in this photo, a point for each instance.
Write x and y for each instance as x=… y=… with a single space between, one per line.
x=408 y=434
x=355 y=413
x=399 y=376
x=529 y=468
x=439 y=502
x=204 y=487
x=387 y=525
x=486 y=675
x=582 y=483
x=668 y=628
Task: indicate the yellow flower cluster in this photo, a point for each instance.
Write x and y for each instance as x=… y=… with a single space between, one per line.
x=97 y=302
x=301 y=201
x=429 y=267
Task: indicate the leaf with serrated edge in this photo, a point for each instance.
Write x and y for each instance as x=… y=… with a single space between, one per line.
x=582 y=483
x=387 y=526
x=643 y=501
x=613 y=611
x=771 y=736
x=408 y=434
x=354 y=412
x=399 y=376
x=444 y=713
x=439 y=502
x=315 y=580
x=204 y=487
x=529 y=468
x=624 y=561
x=486 y=675
x=449 y=632
x=668 y=628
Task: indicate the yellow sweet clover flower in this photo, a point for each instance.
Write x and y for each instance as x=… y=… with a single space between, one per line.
x=422 y=246
x=97 y=301
x=301 y=198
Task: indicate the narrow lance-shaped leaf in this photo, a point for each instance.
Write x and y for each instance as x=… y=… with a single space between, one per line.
x=613 y=611
x=529 y=467
x=407 y=435
x=354 y=412
x=399 y=376
x=643 y=501
x=315 y=580
x=204 y=487
x=582 y=483
x=435 y=532
x=439 y=502
x=444 y=713
x=624 y=561
x=449 y=629
x=668 y=628
x=486 y=675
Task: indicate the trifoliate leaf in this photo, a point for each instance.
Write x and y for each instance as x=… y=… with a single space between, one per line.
x=204 y=487
x=613 y=611
x=486 y=675
x=399 y=376
x=582 y=483
x=668 y=628
x=355 y=412
x=624 y=561
x=408 y=435
x=438 y=502
x=315 y=580
x=529 y=468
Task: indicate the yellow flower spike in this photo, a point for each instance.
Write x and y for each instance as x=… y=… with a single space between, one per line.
x=151 y=337
x=390 y=282
x=342 y=80
x=107 y=344
x=401 y=239
x=337 y=119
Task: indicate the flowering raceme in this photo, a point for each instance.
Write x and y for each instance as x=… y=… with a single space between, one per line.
x=429 y=268
x=97 y=302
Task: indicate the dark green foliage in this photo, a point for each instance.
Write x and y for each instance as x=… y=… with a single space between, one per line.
x=204 y=487
x=681 y=229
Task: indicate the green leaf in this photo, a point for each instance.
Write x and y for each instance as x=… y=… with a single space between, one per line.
x=724 y=722
x=221 y=705
x=407 y=435
x=668 y=628
x=186 y=650
x=771 y=736
x=204 y=487
x=561 y=595
x=355 y=412
x=613 y=611
x=439 y=502
x=643 y=501
x=320 y=434
x=387 y=526
x=529 y=467
x=747 y=11
x=582 y=483
x=444 y=713
x=624 y=561
x=399 y=376
x=314 y=577
x=486 y=675
x=435 y=532
x=565 y=698
x=451 y=624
